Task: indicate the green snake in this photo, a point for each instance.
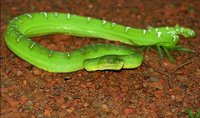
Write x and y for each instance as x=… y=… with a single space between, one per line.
x=91 y=57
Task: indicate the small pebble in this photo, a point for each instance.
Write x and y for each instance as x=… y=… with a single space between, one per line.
x=63 y=106
x=105 y=108
x=19 y=73
x=90 y=6
x=154 y=79
x=128 y=111
x=70 y=110
x=36 y=72
x=137 y=86
x=115 y=112
x=86 y=104
x=172 y=97
x=89 y=79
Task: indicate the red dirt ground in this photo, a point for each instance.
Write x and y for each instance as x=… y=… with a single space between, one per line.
x=157 y=89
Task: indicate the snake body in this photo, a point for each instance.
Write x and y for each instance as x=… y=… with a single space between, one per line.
x=91 y=57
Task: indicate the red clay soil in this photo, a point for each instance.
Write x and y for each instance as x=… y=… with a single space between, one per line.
x=157 y=89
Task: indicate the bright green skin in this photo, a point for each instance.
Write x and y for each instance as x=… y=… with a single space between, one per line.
x=92 y=57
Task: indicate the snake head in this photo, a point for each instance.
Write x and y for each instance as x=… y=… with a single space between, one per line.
x=107 y=62
x=113 y=62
